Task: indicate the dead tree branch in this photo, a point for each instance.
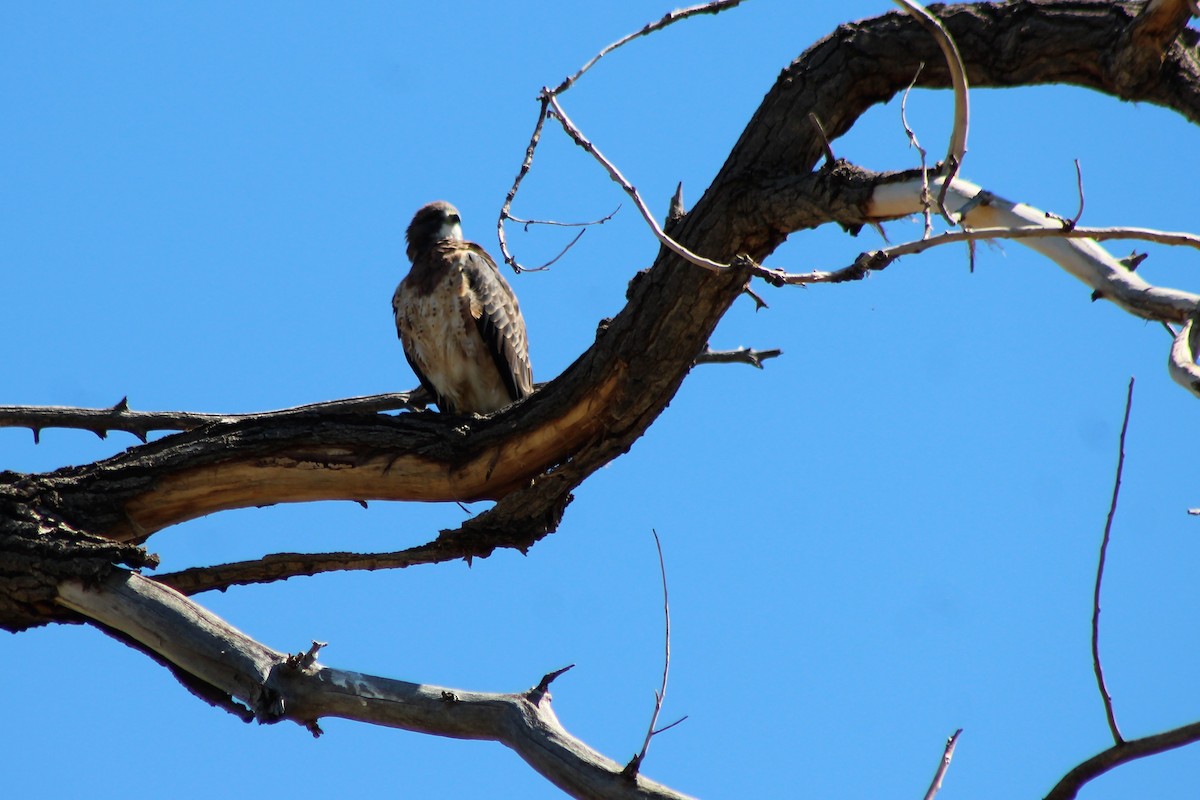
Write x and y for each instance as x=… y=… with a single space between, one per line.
x=277 y=687
x=102 y=421
x=635 y=763
x=947 y=754
x=1112 y=511
x=1131 y=750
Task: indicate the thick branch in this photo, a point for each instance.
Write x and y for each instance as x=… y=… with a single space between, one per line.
x=276 y=687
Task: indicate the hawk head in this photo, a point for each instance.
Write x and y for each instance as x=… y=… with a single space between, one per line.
x=433 y=222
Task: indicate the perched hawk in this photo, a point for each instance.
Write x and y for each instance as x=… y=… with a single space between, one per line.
x=459 y=322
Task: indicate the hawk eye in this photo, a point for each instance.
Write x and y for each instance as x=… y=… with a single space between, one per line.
x=453 y=219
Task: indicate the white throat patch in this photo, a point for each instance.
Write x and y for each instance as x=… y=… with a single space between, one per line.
x=451 y=230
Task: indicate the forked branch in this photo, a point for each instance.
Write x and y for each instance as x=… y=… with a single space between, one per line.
x=276 y=687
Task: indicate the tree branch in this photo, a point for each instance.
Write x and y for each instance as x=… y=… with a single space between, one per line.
x=276 y=687
x=101 y=421
x=947 y=754
x=741 y=355
x=635 y=763
x=1105 y=697
x=1115 y=756
x=992 y=217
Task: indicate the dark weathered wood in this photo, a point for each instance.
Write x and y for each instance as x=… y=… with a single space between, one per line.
x=533 y=454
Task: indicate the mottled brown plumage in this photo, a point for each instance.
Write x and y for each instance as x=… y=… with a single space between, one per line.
x=458 y=319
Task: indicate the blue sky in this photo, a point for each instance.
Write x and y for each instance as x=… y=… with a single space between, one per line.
x=887 y=534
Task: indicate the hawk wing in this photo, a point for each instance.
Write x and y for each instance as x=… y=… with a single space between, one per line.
x=498 y=318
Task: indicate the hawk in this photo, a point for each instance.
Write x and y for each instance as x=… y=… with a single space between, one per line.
x=458 y=319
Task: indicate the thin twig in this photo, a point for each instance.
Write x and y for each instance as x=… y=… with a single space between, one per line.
x=547 y=94
x=1079 y=184
x=601 y=221
x=926 y=199
x=521 y=173
x=1069 y=224
x=875 y=260
x=816 y=121
x=550 y=263
x=631 y=769
x=527 y=222
x=682 y=13
x=614 y=173
x=944 y=765
x=956 y=150
x=1112 y=510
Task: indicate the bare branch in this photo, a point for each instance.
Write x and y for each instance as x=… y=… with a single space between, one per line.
x=120 y=418
x=926 y=199
x=1068 y=788
x=601 y=221
x=1079 y=184
x=1077 y=251
x=620 y=179
x=957 y=148
x=944 y=765
x=282 y=566
x=1069 y=224
x=547 y=95
x=715 y=7
x=521 y=173
x=742 y=355
x=1112 y=510
x=204 y=645
x=635 y=763
x=876 y=260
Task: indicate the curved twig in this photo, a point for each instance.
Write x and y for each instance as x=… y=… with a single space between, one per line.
x=635 y=763
x=926 y=200
x=1070 y=784
x=526 y=164
x=956 y=150
x=547 y=94
x=1112 y=511
x=715 y=7
x=614 y=173
x=601 y=221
